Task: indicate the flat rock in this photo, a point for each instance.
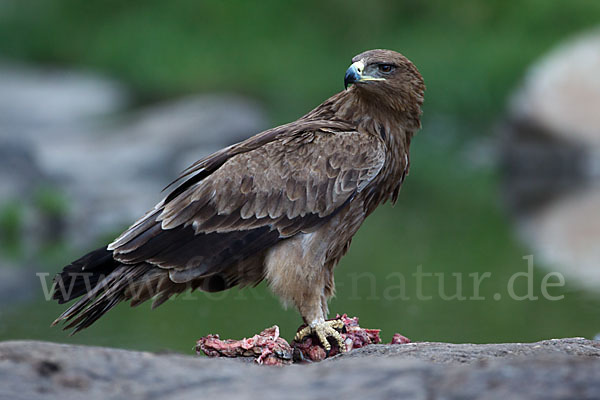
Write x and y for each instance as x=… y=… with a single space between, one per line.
x=552 y=369
x=452 y=353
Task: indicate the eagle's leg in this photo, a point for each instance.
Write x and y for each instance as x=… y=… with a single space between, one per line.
x=323 y=330
x=314 y=316
x=296 y=272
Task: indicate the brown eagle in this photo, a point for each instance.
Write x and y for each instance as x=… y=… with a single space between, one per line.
x=282 y=205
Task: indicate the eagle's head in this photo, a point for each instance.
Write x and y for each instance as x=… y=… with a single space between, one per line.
x=386 y=77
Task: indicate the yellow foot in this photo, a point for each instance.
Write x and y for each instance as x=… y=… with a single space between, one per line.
x=323 y=330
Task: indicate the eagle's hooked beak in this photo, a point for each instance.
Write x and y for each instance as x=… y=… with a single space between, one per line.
x=354 y=74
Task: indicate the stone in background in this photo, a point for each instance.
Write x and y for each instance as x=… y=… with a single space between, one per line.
x=71 y=131
x=551 y=159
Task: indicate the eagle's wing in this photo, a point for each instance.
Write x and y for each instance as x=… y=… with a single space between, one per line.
x=231 y=209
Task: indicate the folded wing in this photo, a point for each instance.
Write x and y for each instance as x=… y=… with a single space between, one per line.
x=252 y=200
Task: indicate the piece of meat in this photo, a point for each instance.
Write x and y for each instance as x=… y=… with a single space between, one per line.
x=399 y=339
x=266 y=348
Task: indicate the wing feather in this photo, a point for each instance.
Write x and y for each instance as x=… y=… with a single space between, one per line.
x=244 y=199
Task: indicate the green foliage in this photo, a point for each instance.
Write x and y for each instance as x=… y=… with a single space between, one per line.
x=48 y=207
x=50 y=202
x=11 y=228
x=293 y=53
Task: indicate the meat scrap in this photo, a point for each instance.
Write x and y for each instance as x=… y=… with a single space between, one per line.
x=268 y=348
x=399 y=339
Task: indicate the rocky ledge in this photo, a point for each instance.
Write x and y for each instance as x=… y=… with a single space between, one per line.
x=551 y=369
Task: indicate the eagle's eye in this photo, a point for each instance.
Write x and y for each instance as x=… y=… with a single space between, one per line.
x=386 y=68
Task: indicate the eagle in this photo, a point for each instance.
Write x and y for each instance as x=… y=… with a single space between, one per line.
x=281 y=206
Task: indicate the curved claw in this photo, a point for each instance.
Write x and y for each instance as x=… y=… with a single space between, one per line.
x=323 y=330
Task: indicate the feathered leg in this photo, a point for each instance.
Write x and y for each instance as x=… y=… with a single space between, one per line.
x=305 y=284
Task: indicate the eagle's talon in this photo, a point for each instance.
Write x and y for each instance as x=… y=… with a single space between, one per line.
x=322 y=331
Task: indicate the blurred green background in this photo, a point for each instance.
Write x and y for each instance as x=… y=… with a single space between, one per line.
x=291 y=55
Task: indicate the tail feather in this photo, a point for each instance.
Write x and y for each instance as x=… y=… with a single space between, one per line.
x=101 y=282
x=88 y=309
x=82 y=275
x=106 y=294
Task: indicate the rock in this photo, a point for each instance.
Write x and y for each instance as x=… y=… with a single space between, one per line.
x=34 y=97
x=561 y=92
x=566 y=233
x=15 y=155
x=72 y=131
x=551 y=159
x=554 y=369
x=551 y=136
x=114 y=174
x=452 y=353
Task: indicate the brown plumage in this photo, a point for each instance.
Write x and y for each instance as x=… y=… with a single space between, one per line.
x=282 y=205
